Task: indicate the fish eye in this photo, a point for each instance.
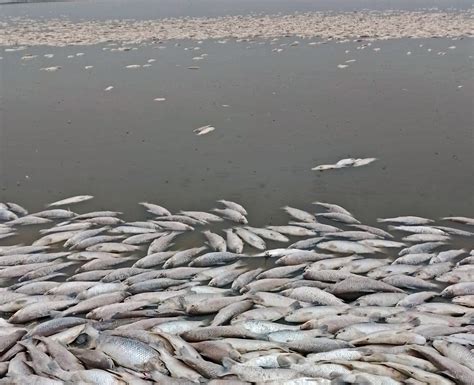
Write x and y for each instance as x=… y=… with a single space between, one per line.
x=81 y=339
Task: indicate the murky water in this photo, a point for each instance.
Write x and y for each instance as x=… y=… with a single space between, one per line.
x=151 y=9
x=62 y=135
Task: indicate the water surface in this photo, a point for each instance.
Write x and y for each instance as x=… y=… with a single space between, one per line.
x=61 y=134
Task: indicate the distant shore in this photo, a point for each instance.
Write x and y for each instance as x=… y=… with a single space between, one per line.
x=351 y=25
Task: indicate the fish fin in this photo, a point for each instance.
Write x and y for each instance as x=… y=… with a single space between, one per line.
x=294 y=306
x=283 y=361
x=56 y=314
x=323 y=328
x=415 y=322
x=228 y=362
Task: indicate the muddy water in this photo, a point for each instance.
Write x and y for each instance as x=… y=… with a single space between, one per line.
x=61 y=134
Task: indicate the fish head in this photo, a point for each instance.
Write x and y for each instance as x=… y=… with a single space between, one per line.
x=87 y=339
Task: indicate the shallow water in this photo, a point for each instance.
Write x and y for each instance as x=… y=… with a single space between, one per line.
x=62 y=134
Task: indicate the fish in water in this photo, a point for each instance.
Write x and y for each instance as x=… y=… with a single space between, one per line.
x=195 y=298
x=343 y=163
x=203 y=130
x=71 y=200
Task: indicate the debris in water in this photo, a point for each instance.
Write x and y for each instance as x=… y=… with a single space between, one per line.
x=51 y=69
x=343 y=163
x=203 y=130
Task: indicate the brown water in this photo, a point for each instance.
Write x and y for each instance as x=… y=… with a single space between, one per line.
x=62 y=135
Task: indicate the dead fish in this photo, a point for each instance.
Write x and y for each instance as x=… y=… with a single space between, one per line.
x=173 y=226
x=463 y=220
x=416 y=299
x=374 y=230
x=55 y=214
x=426 y=238
x=233 y=241
x=265 y=314
x=465 y=300
x=83 y=235
x=258 y=375
x=426 y=247
x=462 y=288
x=95 y=302
x=71 y=200
x=50 y=69
x=215 y=241
x=251 y=238
x=355 y=284
x=178 y=326
x=129 y=353
x=204 y=129
x=104 y=263
x=54 y=326
x=93 y=358
x=154 y=259
x=202 y=216
x=445 y=256
x=351 y=235
x=296 y=231
x=107 y=312
x=414 y=259
x=162 y=243
x=218 y=332
x=233 y=215
x=339 y=217
x=392 y=337
x=10 y=339
x=462 y=374
x=155 y=209
x=405 y=281
x=281 y=272
x=54 y=238
x=39 y=310
x=28 y=220
x=17 y=209
x=333 y=208
x=406 y=220
x=245 y=278
x=113 y=247
x=212 y=304
x=268 y=234
x=315 y=296
x=45 y=270
x=346 y=247
x=364 y=265
x=176 y=258
x=266 y=284
x=156 y=284
x=234 y=206
x=228 y=312
x=299 y=214
x=418 y=229
x=455 y=352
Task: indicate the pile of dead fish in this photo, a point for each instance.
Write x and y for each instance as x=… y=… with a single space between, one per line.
x=367 y=24
x=203 y=297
